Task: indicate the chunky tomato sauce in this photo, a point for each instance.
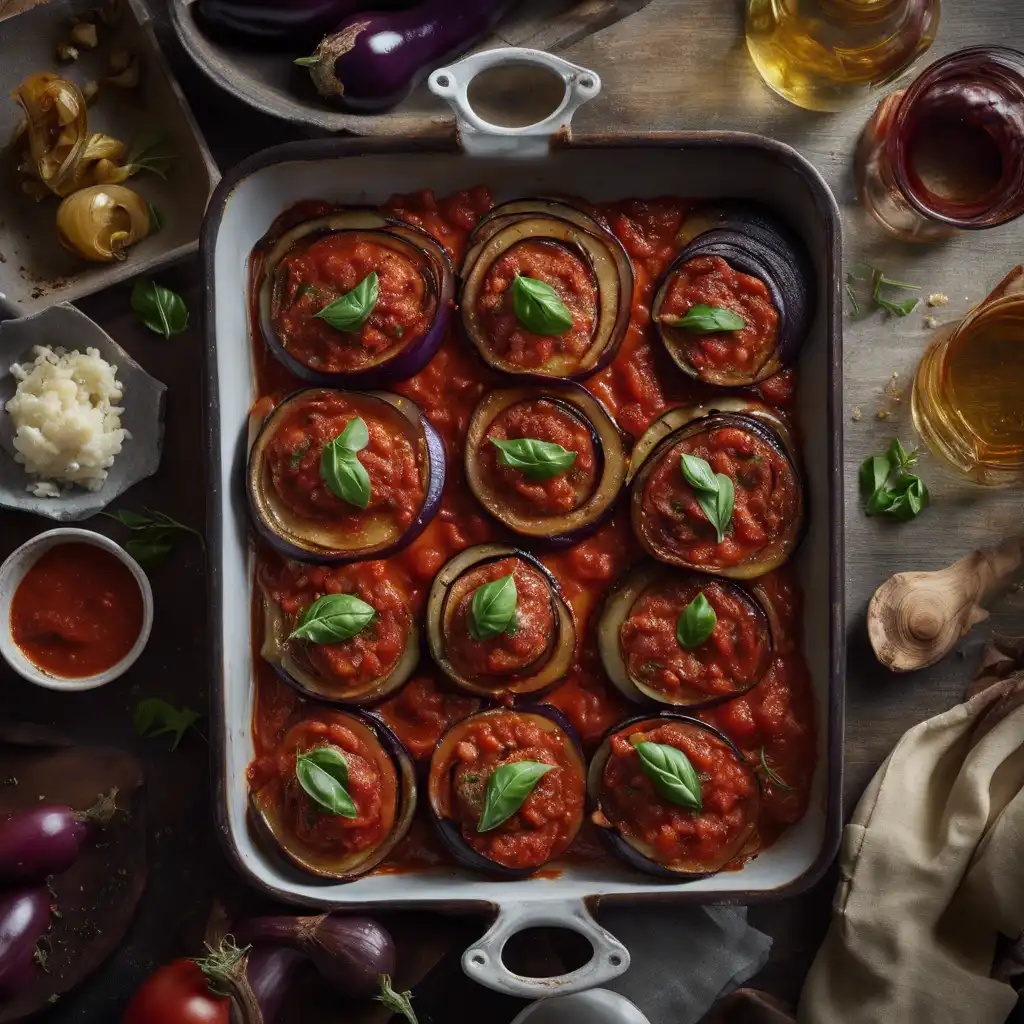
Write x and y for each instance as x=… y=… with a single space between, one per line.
x=294 y=453
x=313 y=276
x=541 y=420
x=767 y=500
x=568 y=275
x=77 y=612
x=732 y=658
x=548 y=818
x=672 y=834
x=775 y=718
x=711 y=281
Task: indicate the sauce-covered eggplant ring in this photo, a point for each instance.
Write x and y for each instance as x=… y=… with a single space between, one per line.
x=564 y=225
x=543 y=672
x=446 y=775
x=611 y=458
x=396 y=363
x=728 y=671
x=620 y=837
x=684 y=422
x=313 y=541
x=752 y=242
x=292 y=662
x=397 y=776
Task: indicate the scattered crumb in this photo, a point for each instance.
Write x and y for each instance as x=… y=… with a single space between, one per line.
x=128 y=78
x=66 y=53
x=882 y=414
x=52 y=999
x=892 y=390
x=938 y=299
x=90 y=91
x=856 y=414
x=931 y=322
x=84 y=35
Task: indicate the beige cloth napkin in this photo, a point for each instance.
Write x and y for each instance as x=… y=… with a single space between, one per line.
x=932 y=871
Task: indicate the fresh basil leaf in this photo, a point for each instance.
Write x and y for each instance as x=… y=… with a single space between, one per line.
x=698 y=473
x=161 y=310
x=507 y=788
x=696 y=622
x=718 y=504
x=155 y=717
x=538 y=307
x=351 y=310
x=537 y=460
x=323 y=774
x=493 y=608
x=701 y=319
x=889 y=488
x=133 y=520
x=333 y=619
x=910 y=500
x=874 y=471
x=673 y=776
x=149 y=553
x=340 y=468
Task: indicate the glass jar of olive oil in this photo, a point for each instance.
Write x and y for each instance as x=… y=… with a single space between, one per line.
x=831 y=54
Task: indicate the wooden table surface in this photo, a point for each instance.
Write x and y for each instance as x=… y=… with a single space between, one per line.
x=676 y=64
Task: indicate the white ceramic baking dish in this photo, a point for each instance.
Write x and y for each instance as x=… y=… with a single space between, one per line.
x=517 y=163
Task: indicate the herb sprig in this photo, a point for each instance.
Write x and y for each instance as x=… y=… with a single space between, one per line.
x=890 y=488
x=862 y=274
x=154 y=535
x=155 y=717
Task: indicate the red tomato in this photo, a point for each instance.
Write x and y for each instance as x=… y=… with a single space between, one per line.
x=177 y=994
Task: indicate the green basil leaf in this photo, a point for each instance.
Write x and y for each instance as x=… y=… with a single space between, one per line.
x=155 y=717
x=340 y=468
x=161 y=310
x=698 y=473
x=673 y=776
x=874 y=471
x=333 y=619
x=701 y=319
x=149 y=553
x=493 y=609
x=718 y=504
x=323 y=774
x=696 y=623
x=538 y=307
x=880 y=502
x=909 y=499
x=507 y=788
x=537 y=460
x=351 y=310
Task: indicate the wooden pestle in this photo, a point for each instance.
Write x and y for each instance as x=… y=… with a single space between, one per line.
x=915 y=618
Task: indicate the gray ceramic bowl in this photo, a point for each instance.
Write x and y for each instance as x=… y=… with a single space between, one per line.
x=65 y=326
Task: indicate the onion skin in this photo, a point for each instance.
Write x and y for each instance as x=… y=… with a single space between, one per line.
x=270 y=972
x=348 y=952
x=58 y=130
x=100 y=222
x=24 y=918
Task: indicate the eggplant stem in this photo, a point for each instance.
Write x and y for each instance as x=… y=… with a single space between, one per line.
x=102 y=812
x=223 y=965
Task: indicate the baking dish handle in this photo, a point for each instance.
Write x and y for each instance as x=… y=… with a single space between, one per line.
x=483 y=963
x=480 y=137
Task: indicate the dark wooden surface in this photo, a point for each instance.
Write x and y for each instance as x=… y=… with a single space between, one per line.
x=653 y=79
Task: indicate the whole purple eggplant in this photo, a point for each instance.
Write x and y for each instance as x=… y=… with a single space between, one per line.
x=277 y=24
x=372 y=61
x=47 y=840
x=24 y=918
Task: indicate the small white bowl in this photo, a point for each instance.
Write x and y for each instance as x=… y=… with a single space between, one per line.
x=595 y=1006
x=13 y=571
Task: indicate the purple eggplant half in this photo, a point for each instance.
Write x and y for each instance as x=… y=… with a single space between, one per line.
x=47 y=840
x=324 y=540
x=318 y=842
x=450 y=596
x=373 y=60
x=276 y=24
x=24 y=919
x=456 y=789
x=644 y=658
x=753 y=243
x=756 y=448
x=295 y=663
x=284 y=299
x=549 y=222
x=623 y=810
x=595 y=494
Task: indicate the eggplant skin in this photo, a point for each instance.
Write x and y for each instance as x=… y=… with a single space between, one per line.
x=271 y=24
x=24 y=917
x=372 y=61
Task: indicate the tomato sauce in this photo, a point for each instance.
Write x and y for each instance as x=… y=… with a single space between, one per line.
x=310 y=277
x=711 y=281
x=548 y=818
x=767 y=499
x=776 y=717
x=675 y=835
x=732 y=658
x=390 y=460
x=77 y=612
x=541 y=420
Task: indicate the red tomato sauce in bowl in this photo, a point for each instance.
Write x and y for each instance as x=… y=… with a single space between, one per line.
x=711 y=281
x=310 y=278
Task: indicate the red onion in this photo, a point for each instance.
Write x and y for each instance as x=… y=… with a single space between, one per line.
x=349 y=952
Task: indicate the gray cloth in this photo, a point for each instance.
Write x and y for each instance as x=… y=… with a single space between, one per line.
x=684 y=958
